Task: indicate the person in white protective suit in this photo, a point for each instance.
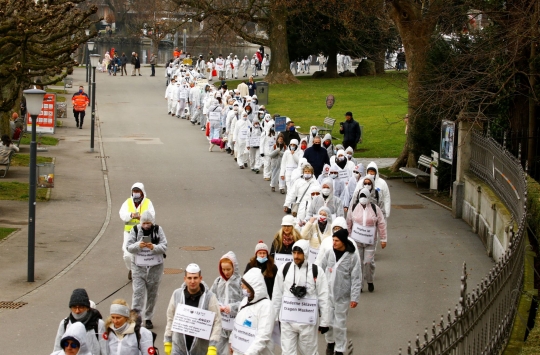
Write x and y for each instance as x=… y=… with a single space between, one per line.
x=148 y=244
x=321 y=60
x=236 y=65
x=228 y=68
x=171 y=104
x=93 y=327
x=317 y=229
x=254 y=323
x=210 y=66
x=124 y=334
x=74 y=342
x=182 y=98
x=324 y=174
x=267 y=122
x=299 y=171
x=230 y=124
x=313 y=132
x=289 y=162
x=358 y=172
x=265 y=64
x=195 y=293
x=245 y=65
x=349 y=154
x=268 y=140
x=240 y=136
x=130 y=214
x=276 y=158
x=366 y=225
x=220 y=67
x=343 y=167
x=339 y=184
x=214 y=119
x=367 y=182
x=328 y=243
x=254 y=64
x=227 y=289
x=295 y=281
x=326 y=199
x=337 y=148
x=195 y=97
x=344 y=274
x=254 y=145
x=381 y=186
x=300 y=192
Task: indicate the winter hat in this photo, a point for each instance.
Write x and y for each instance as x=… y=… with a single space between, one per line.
x=261 y=246
x=119 y=309
x=343 y=236
x=79 y=297
x=349 y=149
x=147 y=217
x=287 y=220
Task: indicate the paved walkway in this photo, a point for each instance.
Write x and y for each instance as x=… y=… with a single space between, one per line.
x=201 y=199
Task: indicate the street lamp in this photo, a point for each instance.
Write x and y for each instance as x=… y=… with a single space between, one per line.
x=87 y=32
x=90 y=46
x=34 y=103
x=94 y=59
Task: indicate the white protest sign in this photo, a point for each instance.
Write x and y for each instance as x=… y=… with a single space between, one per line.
x=242 y=337
x=183 y=95
x=363 y=234
x=146 y=258
x=280 y=259
x=303 y=310
x=313 y=252
x=343 y=174
x=193 y=321
x=271 y=141
x=243 y=133
x=227 y=321
x=214 y=116
x=255 y=141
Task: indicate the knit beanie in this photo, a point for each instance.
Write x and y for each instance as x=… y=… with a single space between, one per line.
x=79 y=297
x=343 y=235
x=261 y=246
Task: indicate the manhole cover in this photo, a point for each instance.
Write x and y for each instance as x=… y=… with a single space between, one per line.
x=407 y=207
x=11 y=305
x=172 y=271
x=197 y=248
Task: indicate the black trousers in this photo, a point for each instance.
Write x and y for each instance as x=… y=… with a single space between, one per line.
x=79 y=115
x=153 y=69
x=347 y=144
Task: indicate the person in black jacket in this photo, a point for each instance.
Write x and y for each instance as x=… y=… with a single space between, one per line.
x=317 y=156
x=351 y=131
x=123 y=60
x=290 y=133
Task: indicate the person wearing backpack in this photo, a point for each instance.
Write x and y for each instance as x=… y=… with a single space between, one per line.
x=344 y=274
x=74 y=342
x=81 y=312
x=295 y=281
x=367 y=225
x=124 y=335
x=148 y=244
x=376 y=194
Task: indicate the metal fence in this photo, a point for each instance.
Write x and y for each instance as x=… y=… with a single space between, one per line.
x=482 y=320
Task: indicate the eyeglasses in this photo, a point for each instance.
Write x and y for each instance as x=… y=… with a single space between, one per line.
x=71 y=343
x=368 y=183
x=80 y=308
x=356 y=172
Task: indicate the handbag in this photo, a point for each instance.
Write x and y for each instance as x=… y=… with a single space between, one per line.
x=295 y=206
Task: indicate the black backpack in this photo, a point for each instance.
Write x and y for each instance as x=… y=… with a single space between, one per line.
x=95 y=326
x=137 y=330
x=314 y=268
x=154 y=237
x=371 y=203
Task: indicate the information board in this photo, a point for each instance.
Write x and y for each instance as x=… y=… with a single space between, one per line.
x=46 y=120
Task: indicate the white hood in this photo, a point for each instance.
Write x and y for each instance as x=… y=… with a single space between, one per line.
x=304 y=245
x=374 y=166
x=255 y=279
x=140 y=186
x=77 y=331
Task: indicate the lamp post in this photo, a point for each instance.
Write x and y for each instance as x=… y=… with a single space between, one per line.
x=90 y=49
x=86 y=57
x=94 y=59
x=34 y=103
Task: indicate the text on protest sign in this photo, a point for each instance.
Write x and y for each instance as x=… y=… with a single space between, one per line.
x=303 y=310
x=193 y=321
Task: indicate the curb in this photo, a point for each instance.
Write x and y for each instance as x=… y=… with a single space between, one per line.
x=435 y=202
x=10 y=235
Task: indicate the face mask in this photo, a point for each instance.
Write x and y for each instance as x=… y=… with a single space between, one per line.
x=340 y=158
x=303 y=146
x=326 y=144
x=349 y=156
x=322 y=219
x=79 y=316
x=313 y=132
x=80 y=91
x=363 y=200
x=236 y=108
x=368 y=186
x=325 y=191
x=245 y=293
x=136 y=195
x=316 y=145
x=307 y=176
x=262 y=260
x=333 y=176
x=244 y=118
x=291 y=129
x=256 y=125
x=292 y=147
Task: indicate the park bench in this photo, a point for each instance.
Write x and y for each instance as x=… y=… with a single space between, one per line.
x=425 y=162
x=327 y=127
x=5 y=166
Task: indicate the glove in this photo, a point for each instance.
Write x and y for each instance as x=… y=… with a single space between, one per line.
x=212 y=350
x=168 y=347
x=262 y=155
x=324 y=329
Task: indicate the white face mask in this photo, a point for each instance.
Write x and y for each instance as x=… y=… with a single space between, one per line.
x=363 y=200
x=333 y=176
x=349 y=156
x=325 y=191
x=245 y=292
x=307 y=176
x=292 y=147
x=236 y=108
x=340 y=158
x=368 y=186
x=136 y=195
x=244 y=118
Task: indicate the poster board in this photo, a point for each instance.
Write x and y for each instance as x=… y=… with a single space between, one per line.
x=46 y=120
x=280 y=124
x=447 y=141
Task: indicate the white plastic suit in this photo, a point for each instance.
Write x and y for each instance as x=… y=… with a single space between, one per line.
x=128 y=344
x=95 y=344
x=256 y=312
x=358 y=173
x=228 y=68
x=299 y=171
x=267 y=146
x=376 y=196
x=236 y=64
x=245 y=65
x=169 y=96
x=182 y=98
x=344 y=283
x=78 y=332
x=299 y=335
x=382 y=186
x=300 y=192
x=146 y=278
x=276 y=159
x=333 y=203
x=314 y=233
x=290 y=162
x=229 y=295
x=254 y=146
x=240 y=136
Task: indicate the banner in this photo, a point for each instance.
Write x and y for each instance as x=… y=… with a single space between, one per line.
x=280 y=123
x=447 y=141
x=46 y=120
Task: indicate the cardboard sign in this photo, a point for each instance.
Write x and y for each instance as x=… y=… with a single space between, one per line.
x=46 y=120
x=193 y=321
x=303 y=310
x=242 y=337
x=227 y=321
x=146 y=258
x=280 y=124
x=280 y=259
x=313 y=252
x=255 y=141
x=363 y=234
x=214 y=116
x=243 y=134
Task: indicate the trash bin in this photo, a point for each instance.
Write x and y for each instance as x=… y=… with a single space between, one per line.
x=262 y=92
x=68 y=82
x=45 y=174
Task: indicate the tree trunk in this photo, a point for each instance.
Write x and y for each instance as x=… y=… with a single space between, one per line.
x=279 y=71
x=379 y=60
x=331 y=65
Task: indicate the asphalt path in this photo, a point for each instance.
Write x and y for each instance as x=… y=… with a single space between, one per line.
x=203 y=199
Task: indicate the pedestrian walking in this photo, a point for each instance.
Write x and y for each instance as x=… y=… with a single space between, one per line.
x=254 y=145
x=153 y=62
x=327 y=199
x=276 y=159
x=133 y=62
x=137 y=65
x=80 y=102
x=317 y=156
x=281 y=249
x=351 y=131
x=290 y=133
x=240 y=136
x=245 y=65
x=317 y=229
x=220 y=67
x=299 y=194
x=265 y=262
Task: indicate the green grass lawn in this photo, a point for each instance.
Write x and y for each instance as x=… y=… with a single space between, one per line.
x=18 y=191
x=377 y=103
x=24 y=160
x=45 y=140
x=4 y=232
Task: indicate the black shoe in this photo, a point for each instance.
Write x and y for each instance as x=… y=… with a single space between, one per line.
x=370 y=287
x=77 y=124
x=129 y=275
x=80 y=127
x=148 y=324
x=338 y=353
x=245 y=165
x=140 y=75
x=330 y=348
x=241 y=167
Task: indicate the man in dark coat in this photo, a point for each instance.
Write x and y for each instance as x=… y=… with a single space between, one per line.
x=290 y=133
x=317 y=156
x=351 y=131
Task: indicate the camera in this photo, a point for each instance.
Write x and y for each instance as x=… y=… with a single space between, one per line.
x=298 y=291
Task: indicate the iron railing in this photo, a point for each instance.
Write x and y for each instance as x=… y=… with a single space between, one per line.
x=482 y=320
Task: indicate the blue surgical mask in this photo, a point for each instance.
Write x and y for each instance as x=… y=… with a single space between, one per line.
x=262 y=260
x=291 y=129
x=80 y=91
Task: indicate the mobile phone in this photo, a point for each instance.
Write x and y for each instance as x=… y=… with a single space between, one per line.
x=341 y=124
x=146 y=239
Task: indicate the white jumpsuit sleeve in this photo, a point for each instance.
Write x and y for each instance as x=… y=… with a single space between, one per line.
x=265 y=328
x=322 y=295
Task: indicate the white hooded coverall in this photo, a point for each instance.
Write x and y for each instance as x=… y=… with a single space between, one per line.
x=77 y=332
x=240 y=136
x=254 y=149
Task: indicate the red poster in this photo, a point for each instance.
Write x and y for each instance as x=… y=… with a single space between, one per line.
x=46 y=120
